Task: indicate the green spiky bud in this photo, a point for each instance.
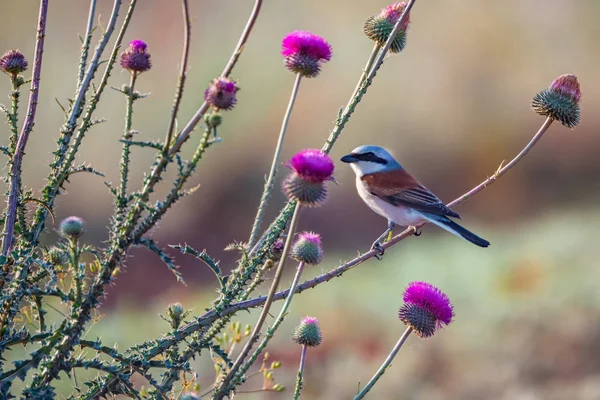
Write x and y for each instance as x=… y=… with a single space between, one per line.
x=560 y=101
x=213 y=119
x=379 y=27
x=55 y=257
x=308 y=333
x=72 y=227
x=308 y=248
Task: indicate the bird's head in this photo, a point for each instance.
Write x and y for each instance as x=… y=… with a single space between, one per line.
x=370 y=159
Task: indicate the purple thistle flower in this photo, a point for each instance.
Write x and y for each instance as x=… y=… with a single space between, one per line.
x=312 y=165
x=304 y=52
x=426 y=308
x=276 y=250
x=135 y=58
x=13 y=62
x=308 y=248
x=221 y=93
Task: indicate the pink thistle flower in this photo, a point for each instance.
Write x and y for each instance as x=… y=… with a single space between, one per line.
x=568 y=86
x=379 y=27
x=308 y=248
x=312 y=165
x=221 y=93
x=306 y=184
x=135 y=58
x=304 y=52
x=560 y=101
x=394 y=12
x=426 y=308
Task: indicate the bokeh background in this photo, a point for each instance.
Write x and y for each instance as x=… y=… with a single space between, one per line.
x=451 y=107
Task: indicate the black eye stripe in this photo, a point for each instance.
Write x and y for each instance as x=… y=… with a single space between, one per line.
x=371 y=157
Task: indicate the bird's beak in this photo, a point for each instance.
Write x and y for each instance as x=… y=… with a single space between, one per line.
x=350 y=158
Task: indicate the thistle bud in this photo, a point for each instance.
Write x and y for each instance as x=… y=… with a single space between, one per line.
x=55 y=257
x=135 y=58
x=306 y=184
x=308 y=248
x=176 y=313
x=560 y=101
x=72 y=227
x=308 y=333
x=221 y=93
x=13 y=62
x=276 y=250
x=213 y=119
x=304 y=52
x=379 y=27
x=426 y=309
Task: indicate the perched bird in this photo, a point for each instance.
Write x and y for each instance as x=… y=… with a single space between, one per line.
x=390 y=191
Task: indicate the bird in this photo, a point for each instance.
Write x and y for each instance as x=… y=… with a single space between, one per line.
x=390 y=191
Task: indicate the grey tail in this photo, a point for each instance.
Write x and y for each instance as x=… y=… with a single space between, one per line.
x=453 y=227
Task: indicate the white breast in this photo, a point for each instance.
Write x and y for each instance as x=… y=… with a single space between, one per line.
x=401 y=215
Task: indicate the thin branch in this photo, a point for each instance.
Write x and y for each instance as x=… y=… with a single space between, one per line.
x=85 y=48
x=187 y=26
x=197 y=117
x=15 y=178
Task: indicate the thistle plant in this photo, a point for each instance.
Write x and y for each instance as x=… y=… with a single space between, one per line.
x=34 y=278
x=426 y=309
x=307 y=334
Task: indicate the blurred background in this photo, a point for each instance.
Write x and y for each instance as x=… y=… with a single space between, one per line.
x=451 y=107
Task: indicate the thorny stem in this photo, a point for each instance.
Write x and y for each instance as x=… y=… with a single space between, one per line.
x=187 y=26
x=15 y=170
x=299 y=379
x=271 y=331
x=366 y=70
x=14 y=113
x=60 y=172
x=197 y=117
x=85 y=48
x=263 y=315
x=127 y=135
x=274 y=165
x=74 y=250
x=385 y=364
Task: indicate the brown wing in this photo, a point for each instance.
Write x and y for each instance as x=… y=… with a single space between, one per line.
x=398 y=187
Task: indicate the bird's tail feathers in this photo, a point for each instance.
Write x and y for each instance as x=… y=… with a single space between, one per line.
x=452 y=227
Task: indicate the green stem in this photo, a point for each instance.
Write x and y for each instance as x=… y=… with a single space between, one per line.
x=14 y=113
x=271 y=331
x=263 y=315
x=74 y=249
x=299 y=380
x=366 y=70
x=274 y=165
x=122 y=193
x=385 y=364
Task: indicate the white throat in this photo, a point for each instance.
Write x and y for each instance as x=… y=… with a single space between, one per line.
x=361 y=168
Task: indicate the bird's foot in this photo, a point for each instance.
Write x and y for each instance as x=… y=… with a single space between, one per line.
x=377 y=246
x=417 y=231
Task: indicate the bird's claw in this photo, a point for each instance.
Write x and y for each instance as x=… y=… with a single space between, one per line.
x=377 y=246
x=417 y=232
